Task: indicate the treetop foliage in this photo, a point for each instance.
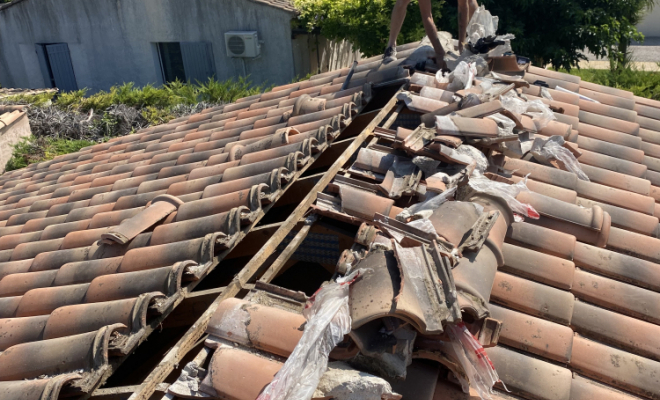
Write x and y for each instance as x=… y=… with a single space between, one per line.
x=547 y=31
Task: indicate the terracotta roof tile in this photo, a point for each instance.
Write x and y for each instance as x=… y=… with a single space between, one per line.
x=54 y=214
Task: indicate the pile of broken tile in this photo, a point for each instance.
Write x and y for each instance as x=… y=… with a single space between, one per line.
x=518 y=217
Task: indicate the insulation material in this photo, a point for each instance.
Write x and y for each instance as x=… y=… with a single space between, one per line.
x=328 y=320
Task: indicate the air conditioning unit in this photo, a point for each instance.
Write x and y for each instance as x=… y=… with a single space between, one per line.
x=242 y=44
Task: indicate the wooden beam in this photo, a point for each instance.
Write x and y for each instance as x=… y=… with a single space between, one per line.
x=291 y=248
x=239 y=283
x=123 y=392
x=156 y=322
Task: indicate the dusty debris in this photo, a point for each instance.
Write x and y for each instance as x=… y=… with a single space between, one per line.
x=342 y=382
x=187 y=385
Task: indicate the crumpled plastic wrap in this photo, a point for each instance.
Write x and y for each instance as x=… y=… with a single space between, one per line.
x=471 y=355
x=482 y=25
x=505 y=125
x=536 y=109
x=476 y=155
x=462 y=77
x=328 y=320
x=508 y=192
x=553 y=150
x=545 y=93
x=425 y=209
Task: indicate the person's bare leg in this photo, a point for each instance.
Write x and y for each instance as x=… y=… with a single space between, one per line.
x=432 y=31
x=472 y=5
x=463 y=19
x=398 y=16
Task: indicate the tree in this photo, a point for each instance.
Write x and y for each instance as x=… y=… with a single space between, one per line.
x=364 y=23
x=547 y=31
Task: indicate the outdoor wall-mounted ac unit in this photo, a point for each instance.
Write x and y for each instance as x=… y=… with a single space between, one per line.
x=242 y=44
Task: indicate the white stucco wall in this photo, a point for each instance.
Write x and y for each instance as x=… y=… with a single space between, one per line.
x=10 y=135
x=650 y=25
x=111 y=41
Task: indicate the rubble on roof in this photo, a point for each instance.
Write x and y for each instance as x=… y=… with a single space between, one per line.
x=507 y=246
x=98 y=246
x=518 y=217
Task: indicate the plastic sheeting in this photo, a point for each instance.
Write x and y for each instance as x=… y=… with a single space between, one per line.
x=554 y=150
x=425 y=209
x=508 y=192
x=328 y=320
x=536 y=109
x=476 y=155
x=462 y=77
x=482 y=25
x=478 y=368
x=505 y=125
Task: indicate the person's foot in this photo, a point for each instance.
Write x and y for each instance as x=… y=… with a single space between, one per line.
x=389 y=55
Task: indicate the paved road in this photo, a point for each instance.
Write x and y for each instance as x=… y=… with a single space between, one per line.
x=649 y=51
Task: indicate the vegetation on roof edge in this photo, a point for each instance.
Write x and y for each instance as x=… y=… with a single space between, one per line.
x=151 y=105
x=66 y=122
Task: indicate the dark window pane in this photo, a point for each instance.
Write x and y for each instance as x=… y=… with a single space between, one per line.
x=172 y=62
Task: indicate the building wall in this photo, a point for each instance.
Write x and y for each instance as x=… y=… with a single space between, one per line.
x=112 y=41
x=10 y=134
x=650 y=25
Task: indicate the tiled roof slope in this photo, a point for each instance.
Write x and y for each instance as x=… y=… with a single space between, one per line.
x=573 y=299
x=95 y=243
x=575 y=291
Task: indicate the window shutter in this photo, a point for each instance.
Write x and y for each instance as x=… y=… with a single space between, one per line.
x=43 y=65
x=197 y=61
x=60 y=65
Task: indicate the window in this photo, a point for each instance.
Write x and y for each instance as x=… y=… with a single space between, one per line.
x=186 y=61
x=171 y=61
x=56 y=67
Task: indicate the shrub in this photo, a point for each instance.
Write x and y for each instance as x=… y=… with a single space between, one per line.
x=33 y=149
x=73 y=120
x=641 y=83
